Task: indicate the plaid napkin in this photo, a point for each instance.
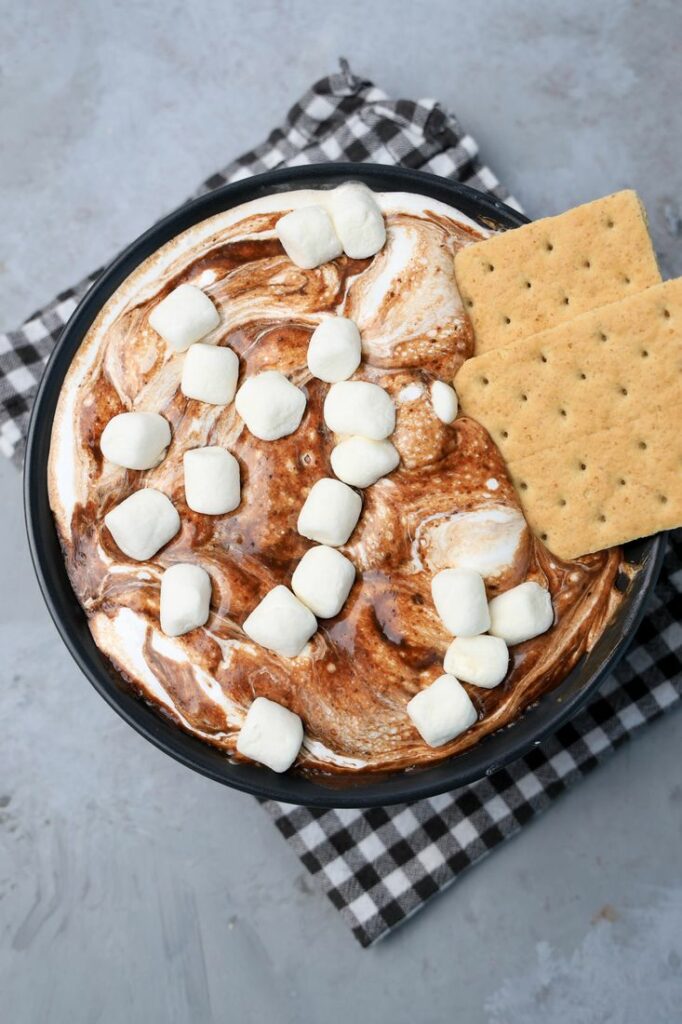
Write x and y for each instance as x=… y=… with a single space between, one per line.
x=379 y=866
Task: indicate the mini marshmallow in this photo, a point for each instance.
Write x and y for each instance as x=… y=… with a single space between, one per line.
x=334 y=352
x=270 y=405
x=481 y=660
x=184 y=316
x=330 y=512
x=459 y=597
x=360 y=462
x=442 y=711
x=444 y=401
x=521 y=613
x=185 y=598
x=323 y=580
x=209 y=374
x=281 y=623
x=135 y=440
x=358 y=220
x=358 y=407
x=143 y=523
x=308 y=237
x=271 y=735
x=211 y=480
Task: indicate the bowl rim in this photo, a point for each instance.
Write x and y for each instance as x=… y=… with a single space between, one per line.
x=486 y=757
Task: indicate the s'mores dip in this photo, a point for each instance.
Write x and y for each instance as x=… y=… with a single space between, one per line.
x=283 y=529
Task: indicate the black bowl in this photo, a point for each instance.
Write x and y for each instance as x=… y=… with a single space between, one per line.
x=492 y=752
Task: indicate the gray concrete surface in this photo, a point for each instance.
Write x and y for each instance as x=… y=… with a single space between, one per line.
x=131 y=890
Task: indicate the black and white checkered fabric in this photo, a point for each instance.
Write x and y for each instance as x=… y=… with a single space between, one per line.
x=379 y=866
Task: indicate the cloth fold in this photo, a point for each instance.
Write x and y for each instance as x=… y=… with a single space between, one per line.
x=379 y=866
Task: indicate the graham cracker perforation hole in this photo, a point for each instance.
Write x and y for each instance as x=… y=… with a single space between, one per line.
x=523 y=485
x=549 y=247
x=562 y=502
x=484 y=380
x=529 y=284
x=602 y=518
x=587 y=264
x=489 y=267
x=626 y=279
x=543 y=357
x=582 y=376
x=602 y=336
x=583 y=466
x=623 y=391
x=544 y=536
x=610 y=223
x=562 y=412
x=643 y=445
x=663 y=499
x=504 y=434
x=506 y=320
x=622 y=482
x=524 y=398
x=666 y=314
x=645 y=354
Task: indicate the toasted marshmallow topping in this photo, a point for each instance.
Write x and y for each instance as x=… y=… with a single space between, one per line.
x=358 y=220
x=330 y=512
x=360 y=462
x=521 y=613
x=444 y=401
x=334 y=351
x=270 y=405
x=186 y=315
x=212 y=484
x=481 y=660
x=358 y=407
x=281 y=623
x=459 y=597
x=185 y=598
x=209 y=374
x=322 y=580
x=308 y=237
x=271 y=735
x=442 y=711
x=143 y=523
x=135 y=440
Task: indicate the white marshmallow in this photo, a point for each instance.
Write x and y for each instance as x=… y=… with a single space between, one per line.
x=185 y=598
x=330 y=512
x=459 y=597
x=442 y=711
x=308 y=237
x=281 y=623
x=334 y=352
x=184 y=316
x=209 y=374
x=481 y=660
x=358 y=220
x=322 y=580
x=143 y=523
x=358 y=407
x=521 y=613
x=211 y=480
x=135 y=440
x=271 y=735
x=270 y=405
x=444 y=401
x=360 y=462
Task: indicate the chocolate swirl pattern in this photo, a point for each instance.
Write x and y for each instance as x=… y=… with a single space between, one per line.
x=450 y=502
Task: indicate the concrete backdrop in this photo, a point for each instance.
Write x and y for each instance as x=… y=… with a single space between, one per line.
x=132 y=890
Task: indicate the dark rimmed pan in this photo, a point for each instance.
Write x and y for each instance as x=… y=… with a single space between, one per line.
x=492 y=752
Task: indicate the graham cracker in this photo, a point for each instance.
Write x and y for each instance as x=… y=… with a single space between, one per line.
x=607 y=488
x=545 y=273
x=601 y=369
x=588 y=416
